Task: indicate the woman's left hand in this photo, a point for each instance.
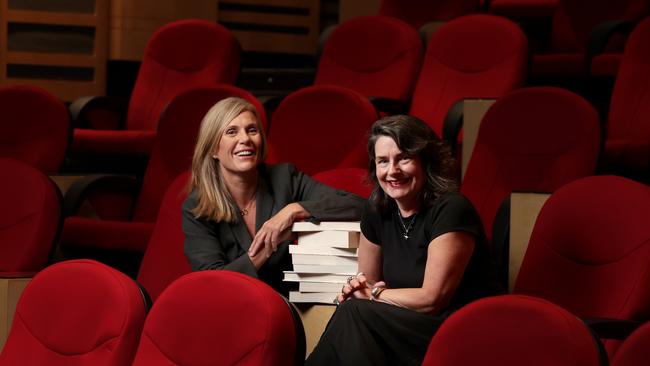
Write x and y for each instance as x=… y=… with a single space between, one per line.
x=276 y=229
x=357 y=287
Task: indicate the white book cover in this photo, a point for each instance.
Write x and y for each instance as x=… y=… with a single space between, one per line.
x=315 y=277
x=335 y=239
x=321 y=250
x=317 y=297
x=320 y=286
x=327 y=225
x=348 y=269
x=322 y=259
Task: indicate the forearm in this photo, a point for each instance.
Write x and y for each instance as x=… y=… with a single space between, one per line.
x=417 y=299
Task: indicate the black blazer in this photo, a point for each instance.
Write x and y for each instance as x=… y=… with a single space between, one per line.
x=222 y=245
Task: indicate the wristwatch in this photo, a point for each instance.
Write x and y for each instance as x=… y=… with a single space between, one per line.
x=376 y=290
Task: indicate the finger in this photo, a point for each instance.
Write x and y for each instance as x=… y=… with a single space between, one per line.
x=255 y=246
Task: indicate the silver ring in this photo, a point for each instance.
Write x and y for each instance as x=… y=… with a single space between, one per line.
x=351 y=278
x=359 y=274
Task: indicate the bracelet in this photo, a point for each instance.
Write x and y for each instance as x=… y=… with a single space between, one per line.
x=376 y=290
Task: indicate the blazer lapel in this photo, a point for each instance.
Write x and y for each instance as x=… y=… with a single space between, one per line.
x=264 y=203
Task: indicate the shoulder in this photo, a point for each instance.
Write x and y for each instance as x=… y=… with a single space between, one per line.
x=191 y=201
x=451 y=201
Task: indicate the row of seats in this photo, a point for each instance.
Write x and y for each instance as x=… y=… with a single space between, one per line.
x=588 y=251
x=494 y=66
x=82 y=312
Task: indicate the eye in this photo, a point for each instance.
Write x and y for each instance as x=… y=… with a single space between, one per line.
x=252 y=131
x=381 y=161
x=231 y=132
x=405 y=159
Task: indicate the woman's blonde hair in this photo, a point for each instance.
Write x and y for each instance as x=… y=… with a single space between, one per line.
x=214 y=199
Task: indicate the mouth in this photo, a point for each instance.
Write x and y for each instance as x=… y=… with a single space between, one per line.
x=244 y=153
x=397 y=183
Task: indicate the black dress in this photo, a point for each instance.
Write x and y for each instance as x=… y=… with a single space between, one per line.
x=363 y=332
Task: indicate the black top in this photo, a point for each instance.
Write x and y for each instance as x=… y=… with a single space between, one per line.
x=222 y=245
x=404 y=260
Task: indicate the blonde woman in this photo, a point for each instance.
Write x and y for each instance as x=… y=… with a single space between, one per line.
x=239 y=213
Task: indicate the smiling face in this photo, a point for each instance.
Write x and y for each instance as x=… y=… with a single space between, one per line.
x=239 y=150
x=399 y=175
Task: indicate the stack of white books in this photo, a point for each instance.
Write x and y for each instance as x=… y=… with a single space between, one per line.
x=323 y=258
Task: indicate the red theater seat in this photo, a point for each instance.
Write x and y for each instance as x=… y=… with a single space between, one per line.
x=179 y=56
x=164 y=260
x=221 y=318
x=352 y=180
x=589 y=251
x=320 y=128
x=513 y=330
x=534 y=140
x=374 y=55
x=475 y=56
x=76 y=313
x=30 y=218
x=635 y=350
x=627 y=142
x=35 y=127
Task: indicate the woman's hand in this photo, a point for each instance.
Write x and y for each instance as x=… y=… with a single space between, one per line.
x=276 y=230
x=357 y=287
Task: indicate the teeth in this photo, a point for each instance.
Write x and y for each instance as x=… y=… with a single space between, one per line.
x=244 y=153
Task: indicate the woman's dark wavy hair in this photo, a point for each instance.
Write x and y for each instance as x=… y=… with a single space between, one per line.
x=414 y=138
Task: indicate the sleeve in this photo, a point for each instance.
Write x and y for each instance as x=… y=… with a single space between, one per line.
x=454 y=212
x=203 y=248
x=322 y=201
x=371 y=224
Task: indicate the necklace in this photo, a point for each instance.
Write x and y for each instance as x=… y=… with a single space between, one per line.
x=244 y=210
x=407 y=228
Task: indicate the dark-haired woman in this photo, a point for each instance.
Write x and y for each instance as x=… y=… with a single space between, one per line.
x=422 y=253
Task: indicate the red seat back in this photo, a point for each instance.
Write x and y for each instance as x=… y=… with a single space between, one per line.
x=180 y=55
x=512 y=330
x=76 y=313
x=30 y=219
x=635 y=350
x=218 y=318
x=352 y=180
x=589 y=251
x=628 y=126
x=374 y=55
x=320 y=128
x=164 y=260
x=35 y=127
x=475 y=56
x=532 y=139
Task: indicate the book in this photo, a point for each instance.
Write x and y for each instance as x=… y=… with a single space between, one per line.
x=334 y=239
x=322 y=259
x=348 y=269
x=302 y=226
x=322 y=250
x=318 y=297
x=320 y=287
x=315 y=277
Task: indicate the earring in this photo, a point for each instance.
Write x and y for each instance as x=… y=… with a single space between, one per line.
x=214 y=157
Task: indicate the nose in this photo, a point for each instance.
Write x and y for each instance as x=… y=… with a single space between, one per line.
x=393 y=168
x=243 y=136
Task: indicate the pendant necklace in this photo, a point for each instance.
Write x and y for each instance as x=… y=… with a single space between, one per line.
x=407 y=228
x=244 y=211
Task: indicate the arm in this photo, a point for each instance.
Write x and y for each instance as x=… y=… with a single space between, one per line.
x=310 y=199
x=447 y=257
x=204 y=251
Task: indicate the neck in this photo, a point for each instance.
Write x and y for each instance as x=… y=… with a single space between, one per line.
x=407 y=209
x=242 y=187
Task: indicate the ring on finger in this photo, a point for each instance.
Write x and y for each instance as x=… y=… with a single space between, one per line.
x=351 y=278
